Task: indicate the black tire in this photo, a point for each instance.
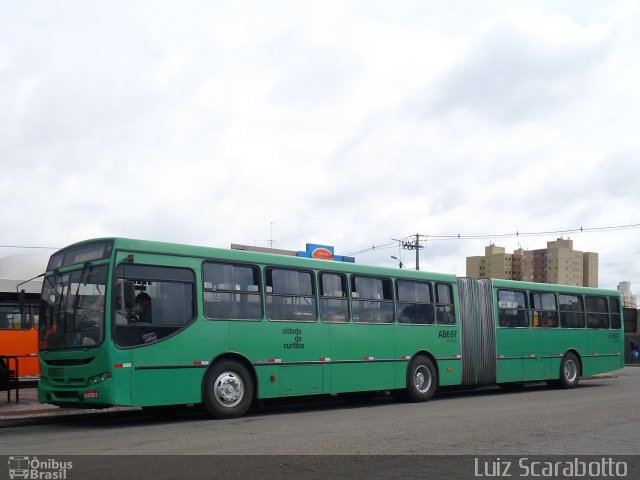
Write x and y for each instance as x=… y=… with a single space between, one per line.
x=569 y=371
x=422 y=379
x=228 y=389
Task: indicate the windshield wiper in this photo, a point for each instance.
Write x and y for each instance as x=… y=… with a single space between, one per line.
x=76 y=300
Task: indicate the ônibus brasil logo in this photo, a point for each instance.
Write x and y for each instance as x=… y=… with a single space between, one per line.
x=37 y=469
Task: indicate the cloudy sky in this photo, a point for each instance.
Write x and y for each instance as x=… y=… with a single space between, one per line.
x=348 y=123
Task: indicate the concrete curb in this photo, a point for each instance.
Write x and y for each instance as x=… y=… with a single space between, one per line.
x=51 y=417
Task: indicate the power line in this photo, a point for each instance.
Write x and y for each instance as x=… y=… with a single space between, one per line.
x=516 y=234
x=372 y=248
x=535 y=234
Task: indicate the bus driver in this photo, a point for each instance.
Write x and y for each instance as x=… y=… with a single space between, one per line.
x=143 y=307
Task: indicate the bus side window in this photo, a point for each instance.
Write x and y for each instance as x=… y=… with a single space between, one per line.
x=614 y=313
x=445 y=311
x=169 y=293
x=231 y=292
x=290 y=295
x=512 y=309
x=334 y=305
x=545 y=310
x=372 y=299
x=571 y=311
x=415 y=302
x=597 y=312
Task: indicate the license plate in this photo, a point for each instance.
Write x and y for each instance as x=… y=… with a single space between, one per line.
x=55 y=372
x=91 y=394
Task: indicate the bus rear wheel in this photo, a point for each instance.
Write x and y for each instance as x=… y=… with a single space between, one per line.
x=228 y=390
x=422 y=379
x=569 y=371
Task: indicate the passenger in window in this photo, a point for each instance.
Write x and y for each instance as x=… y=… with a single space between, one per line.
x=142 y=308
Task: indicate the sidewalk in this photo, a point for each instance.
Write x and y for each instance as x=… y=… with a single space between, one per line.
x=30 y=411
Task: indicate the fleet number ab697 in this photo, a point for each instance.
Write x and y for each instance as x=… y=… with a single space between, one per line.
x=448 y=334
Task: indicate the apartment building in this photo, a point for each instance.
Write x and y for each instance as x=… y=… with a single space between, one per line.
x=558 y=263
x=629 y=300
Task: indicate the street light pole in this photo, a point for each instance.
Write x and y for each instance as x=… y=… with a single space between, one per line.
x=401 y=265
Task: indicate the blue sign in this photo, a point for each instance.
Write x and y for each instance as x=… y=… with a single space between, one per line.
x=324 y=252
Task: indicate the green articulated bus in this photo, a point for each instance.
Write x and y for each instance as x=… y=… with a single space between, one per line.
x=157 y=325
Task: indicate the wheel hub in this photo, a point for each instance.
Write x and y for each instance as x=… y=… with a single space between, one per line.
x=229 y=389
x=570 y=371
x=423 y=379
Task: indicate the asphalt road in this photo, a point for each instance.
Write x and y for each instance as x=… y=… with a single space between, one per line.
x=600 y=417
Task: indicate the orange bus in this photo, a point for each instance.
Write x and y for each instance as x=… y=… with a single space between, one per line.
x=19 y=330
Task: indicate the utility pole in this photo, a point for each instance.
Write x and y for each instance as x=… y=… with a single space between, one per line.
x=407 y=245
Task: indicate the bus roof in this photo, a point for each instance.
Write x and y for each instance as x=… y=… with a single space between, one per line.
x=133 y=245
x=194 y=251
x=501 y=283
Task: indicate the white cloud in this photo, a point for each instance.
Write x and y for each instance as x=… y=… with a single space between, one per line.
x=348 y=123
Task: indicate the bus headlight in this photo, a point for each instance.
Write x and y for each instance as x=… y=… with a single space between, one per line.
x=99 y=378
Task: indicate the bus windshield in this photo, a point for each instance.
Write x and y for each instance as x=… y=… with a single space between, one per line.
x=72 y=308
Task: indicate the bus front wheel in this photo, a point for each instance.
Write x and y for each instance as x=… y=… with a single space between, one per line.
x=228 y=390
x=569 y=371
x=422 y=379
